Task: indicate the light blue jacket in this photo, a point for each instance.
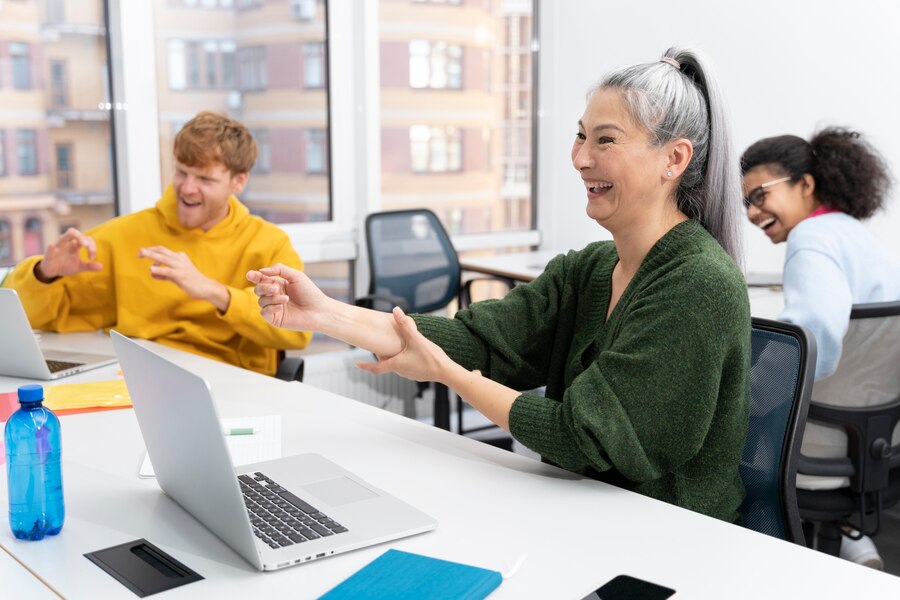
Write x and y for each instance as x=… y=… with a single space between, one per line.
x=832 y=262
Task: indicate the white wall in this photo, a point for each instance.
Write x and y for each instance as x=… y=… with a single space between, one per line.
x=785 y=66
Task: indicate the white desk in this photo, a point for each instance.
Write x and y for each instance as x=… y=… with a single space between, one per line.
x=493 y=508
x=522 y=267
x=517 y=266
x=13 y=576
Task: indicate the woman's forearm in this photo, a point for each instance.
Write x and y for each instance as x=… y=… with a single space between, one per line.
x=490 y=398
x=362 y=327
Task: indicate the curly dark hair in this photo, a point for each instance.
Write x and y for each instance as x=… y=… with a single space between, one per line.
x=850 y=175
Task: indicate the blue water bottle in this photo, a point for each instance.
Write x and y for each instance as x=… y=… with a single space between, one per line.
x=33 y=469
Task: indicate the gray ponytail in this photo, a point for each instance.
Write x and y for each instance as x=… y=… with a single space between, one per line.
x=678 y=98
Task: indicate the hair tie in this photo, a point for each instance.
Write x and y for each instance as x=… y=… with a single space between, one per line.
x=671 y=61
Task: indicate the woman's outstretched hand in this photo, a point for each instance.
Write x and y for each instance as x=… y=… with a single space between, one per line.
x=288 y=298
x=420 y=359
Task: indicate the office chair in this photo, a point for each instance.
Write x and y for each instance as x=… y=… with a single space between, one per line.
x=850 y=463
x=413 y=265
x=290 y=368
x=782 y=364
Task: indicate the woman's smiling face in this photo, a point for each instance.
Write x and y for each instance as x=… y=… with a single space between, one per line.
x=783 y=204
x=618 y=165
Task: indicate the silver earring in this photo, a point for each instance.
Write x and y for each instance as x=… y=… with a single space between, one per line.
x=668 y=173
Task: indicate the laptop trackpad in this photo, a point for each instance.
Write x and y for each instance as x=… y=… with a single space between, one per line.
x=339 y=491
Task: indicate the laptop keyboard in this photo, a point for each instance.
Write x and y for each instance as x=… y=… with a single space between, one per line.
x=58 y=365
x=280 y=518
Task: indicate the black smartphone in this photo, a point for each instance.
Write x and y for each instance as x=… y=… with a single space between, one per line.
x=625 y=587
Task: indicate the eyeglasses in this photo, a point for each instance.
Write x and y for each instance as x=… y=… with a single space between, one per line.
x=757 y=197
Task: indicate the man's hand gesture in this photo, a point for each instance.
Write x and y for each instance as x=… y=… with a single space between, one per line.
x=64 y=257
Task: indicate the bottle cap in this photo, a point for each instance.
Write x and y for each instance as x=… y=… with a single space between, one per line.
x=31 y=393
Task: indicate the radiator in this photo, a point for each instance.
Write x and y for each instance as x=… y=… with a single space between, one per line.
x=337 y=372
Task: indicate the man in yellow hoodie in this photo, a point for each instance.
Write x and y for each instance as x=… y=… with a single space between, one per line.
x=174 y=273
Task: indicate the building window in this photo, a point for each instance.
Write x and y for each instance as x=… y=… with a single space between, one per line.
x=34 y=236
x=58 y=84
x=193 y=64
x=201 y=65
x=316 y=161
x=314 y=65
x=227 y=48
x=5 y=242
x=252 y=68
x=211 y=56
x=303 y=10
x=436 y=65
x=435 y=149
x=264 y=159
x=21 y=65
x=56 y=11
x=27 y=148
x=177 y=72
x=249 y=3
x=2 y=153
x=64 y=166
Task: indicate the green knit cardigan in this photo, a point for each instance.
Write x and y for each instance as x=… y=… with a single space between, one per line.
x=655 y=399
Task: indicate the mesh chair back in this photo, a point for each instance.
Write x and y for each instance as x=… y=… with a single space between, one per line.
x=868 y=374
x=781 y=373
x=411 y=258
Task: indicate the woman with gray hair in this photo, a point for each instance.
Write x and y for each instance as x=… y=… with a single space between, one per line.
x=642 y=342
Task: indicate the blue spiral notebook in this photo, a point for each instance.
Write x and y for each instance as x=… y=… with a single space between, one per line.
x=402 y=575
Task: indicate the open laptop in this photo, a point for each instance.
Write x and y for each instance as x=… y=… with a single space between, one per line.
x=20 y=354
x=275 y=513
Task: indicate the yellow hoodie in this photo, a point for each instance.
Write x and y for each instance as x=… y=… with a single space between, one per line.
x=124 y=296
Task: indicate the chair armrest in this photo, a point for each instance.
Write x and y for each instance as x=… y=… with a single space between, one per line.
x=465 y=294
x=290 y=369
x=826 y=467
x=369 y=301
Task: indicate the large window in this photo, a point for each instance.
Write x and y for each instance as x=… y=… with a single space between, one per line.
x=467 y=157
x=54 y=105
x=265 y=64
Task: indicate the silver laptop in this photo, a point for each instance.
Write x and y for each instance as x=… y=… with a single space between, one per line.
x=20 y=354
x=275 y=513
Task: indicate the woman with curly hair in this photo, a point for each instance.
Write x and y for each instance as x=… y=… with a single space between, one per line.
x=814 y=195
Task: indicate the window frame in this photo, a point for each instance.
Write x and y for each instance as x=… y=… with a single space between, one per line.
x=352 y=49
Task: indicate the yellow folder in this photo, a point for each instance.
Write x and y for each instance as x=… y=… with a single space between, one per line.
x=90 y=395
